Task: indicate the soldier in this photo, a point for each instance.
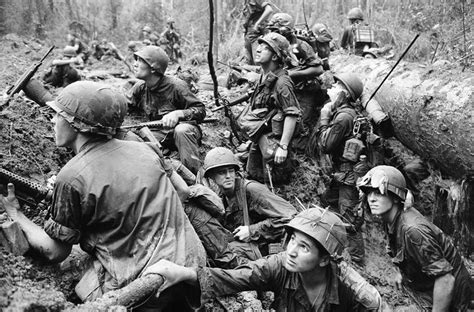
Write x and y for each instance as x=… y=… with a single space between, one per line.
x=322 y=43
x=166 y=98
x=275 y=109
x=150 y=37
x=427 y=259
x=173 y=41
x=305 y=277
x=335 y=130
x=256 y=13
x=304 y=69
x=114 y=197
x=81 y=49
x=252 y=213
x=62 y=73
x=357 y=37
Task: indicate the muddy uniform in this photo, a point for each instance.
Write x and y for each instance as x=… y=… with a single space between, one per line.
x=269 y=274
x=274 y=91
x=204 y=213
x=127 y=222
x=342 y=193
x=268 y=213
x=308 y=90
x=423 y=253
x=167 y=95
x=253 y=11
x=61 y=75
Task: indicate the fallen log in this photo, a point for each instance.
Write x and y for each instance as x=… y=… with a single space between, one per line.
x=431 y=108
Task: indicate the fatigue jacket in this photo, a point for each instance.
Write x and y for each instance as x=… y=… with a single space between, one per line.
x=115 y=199
x=169 y=94
x=269 y=274
x=423 y=253
x=268 y=212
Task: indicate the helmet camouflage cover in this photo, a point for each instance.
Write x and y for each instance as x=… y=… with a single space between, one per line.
x=323 y=226
x=91 y=107
x=278 y=43
x=219 y=157
x=155 y=57
x=384 y=179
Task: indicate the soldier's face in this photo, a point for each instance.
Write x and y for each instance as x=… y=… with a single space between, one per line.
x=336 y=88
x=65 y=135
x=302 y=254
x=379 y=203
x=141 y=68
x=263 y=54
x=224 y=177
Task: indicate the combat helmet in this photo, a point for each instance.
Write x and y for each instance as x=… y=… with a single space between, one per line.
x=69 y=51
x=352 y=83
x=281 y=22
x=91 y=107
x=385 y=179
x=155 y=57
x=324 y=226
x=219 y=157
x=147 y=29
x=278 y=43
x=355 y=14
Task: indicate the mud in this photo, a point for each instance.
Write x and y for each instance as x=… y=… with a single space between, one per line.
x=27 y=148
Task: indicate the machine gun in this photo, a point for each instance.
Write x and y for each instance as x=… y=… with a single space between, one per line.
x=158 y=124
x=27 y=192
x=23 y=80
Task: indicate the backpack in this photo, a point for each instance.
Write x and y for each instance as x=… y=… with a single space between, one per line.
x=363 y=34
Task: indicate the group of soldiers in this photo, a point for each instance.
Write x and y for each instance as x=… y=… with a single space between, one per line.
x=210 y=228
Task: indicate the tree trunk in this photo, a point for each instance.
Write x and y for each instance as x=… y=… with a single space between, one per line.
x=3 y=26
x=431 y=109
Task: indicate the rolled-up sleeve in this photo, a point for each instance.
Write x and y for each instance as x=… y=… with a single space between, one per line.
x=64 y=222
x=262 y=275
x=426 y=251
x=286 y=98
x=192 y=107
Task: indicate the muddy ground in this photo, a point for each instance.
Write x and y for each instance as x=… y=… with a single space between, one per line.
x=27 y=148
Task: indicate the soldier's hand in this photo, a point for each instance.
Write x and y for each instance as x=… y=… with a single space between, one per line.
x=326 y=114
x=171 y=119
x=280 y=155
x=172 y=273
x=242 y=233
x=10 y=203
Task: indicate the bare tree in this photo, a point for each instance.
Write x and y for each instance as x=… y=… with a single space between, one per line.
x=3 y=26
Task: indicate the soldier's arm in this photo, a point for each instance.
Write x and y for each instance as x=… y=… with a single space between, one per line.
x=268 y=10
x=443 y=292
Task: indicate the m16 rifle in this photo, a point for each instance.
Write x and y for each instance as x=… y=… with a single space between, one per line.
x=158 y=124
x=23 y=80
x=26 y=191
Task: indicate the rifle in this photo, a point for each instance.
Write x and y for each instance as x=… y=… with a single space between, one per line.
x=23 y=80
x=26 y=191
x=158 y=124
x=240 y=69
x=239 y=100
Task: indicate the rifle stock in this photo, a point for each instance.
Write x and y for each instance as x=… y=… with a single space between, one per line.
x=23 y=80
